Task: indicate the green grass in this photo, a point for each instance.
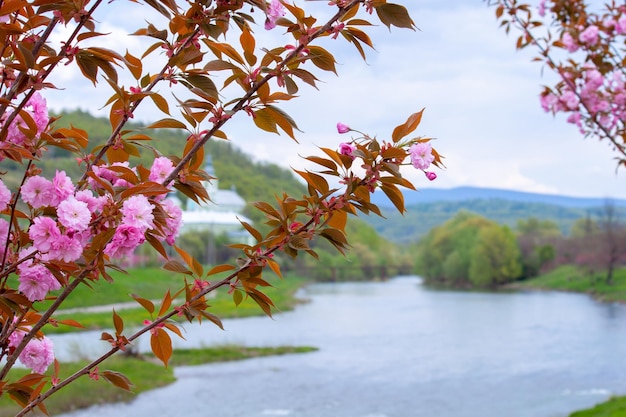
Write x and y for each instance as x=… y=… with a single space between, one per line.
x=152 y=284
x=615 y=407
x=572 y=278
x=144 y=372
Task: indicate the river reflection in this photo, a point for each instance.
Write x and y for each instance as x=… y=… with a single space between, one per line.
x=397 y=349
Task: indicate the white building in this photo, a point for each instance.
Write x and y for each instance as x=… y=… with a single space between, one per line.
x=220 y=215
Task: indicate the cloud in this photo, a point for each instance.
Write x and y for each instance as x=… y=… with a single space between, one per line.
x=480 y=95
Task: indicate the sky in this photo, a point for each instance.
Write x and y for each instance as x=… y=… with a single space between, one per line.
x=480 y=95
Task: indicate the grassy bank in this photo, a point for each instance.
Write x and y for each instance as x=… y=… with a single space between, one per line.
x=615 y=407
x=152 y=284
x=144 y=372
x=575 y=279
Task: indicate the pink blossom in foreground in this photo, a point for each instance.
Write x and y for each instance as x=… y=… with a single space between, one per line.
x=161 y=168
x=74 y=214
x=274 y=11
x=38 y=354
x=124 y=241
x=173 y=220
x=590 y=35
x=342 y=128
x=35 y=280
x=5 y=196
x=17 y=336
x=542 y=8
x=66 y=248
x=421 y=155
x=44 y=232
x=63 y=187
x=568 y=41
x=39 y=108
x=94 y=204
x=137 y=212
x=620 y=26
x=38 y=192
x=4 y=234
x=347 y=149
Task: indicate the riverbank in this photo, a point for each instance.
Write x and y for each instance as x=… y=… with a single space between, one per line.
x=153 y=283
x=574 y=279
x=144 y=372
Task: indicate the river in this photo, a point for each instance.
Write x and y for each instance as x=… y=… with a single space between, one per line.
x=398 y=349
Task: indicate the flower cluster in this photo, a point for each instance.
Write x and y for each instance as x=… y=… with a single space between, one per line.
x=420 y=153
x=19 y=131
x=64 y=220
x=275 y=10
x=38 y=353
x=592 y=86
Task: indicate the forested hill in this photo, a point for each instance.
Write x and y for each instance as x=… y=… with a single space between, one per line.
x=503 y=206
x=253 y=181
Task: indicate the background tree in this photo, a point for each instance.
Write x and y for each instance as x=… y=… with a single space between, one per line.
x=469 y=251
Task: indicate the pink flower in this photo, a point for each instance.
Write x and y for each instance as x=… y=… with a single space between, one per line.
x=569 y=42
x=38 y=355
x=124 y=241
x=570 y=99
x=589 y=35
x=66 y=248
x=347 y=149
x=4 y=234
x=74 y=214
x=5 y=196
x=542 y=8
x=137 y=212
x=38 y=192
x=162 y=167
x=43 y=232
x=35 y=281
x=173 y=220
x=274 y=12
x=430 y=175
x=620 y=27
x=342 y=128
x=421 y=155
x=39 y=109
x=94 y=204
x=548 y=101
x=16 y=337
x=63 y=187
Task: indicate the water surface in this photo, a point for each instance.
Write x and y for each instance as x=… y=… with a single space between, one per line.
x=397 y=349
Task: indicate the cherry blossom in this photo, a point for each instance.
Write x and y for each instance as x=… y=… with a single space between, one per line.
x=421 y=155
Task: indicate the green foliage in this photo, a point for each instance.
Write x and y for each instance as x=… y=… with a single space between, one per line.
x=420 y=218
x=494 y=257
x=468 y=251
x=614 y=407
x=577 y=279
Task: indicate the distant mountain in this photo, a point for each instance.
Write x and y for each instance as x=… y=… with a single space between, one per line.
x=458 y=194
x=432 y=207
